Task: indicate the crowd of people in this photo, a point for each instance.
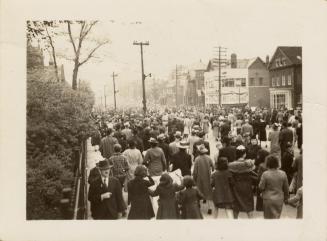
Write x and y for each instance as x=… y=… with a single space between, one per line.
x=253 y=167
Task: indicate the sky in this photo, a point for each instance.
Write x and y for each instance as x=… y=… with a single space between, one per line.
x=184 y=33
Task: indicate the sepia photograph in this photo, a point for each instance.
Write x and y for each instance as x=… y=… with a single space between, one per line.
x=163 y=120
x=141 y=135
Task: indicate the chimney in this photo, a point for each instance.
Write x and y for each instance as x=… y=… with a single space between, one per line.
x=267 y=60
x=233 y=61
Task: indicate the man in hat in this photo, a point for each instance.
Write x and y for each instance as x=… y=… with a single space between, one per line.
x=181 y=160
x=105 y=195
x=127 y=131
x=155 y=158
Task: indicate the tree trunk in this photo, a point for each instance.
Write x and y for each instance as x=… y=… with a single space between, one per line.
x=75 y=72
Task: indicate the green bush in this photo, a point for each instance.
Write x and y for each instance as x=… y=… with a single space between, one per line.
x=58 y=119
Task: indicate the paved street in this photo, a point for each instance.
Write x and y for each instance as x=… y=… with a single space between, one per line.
x=94 y=156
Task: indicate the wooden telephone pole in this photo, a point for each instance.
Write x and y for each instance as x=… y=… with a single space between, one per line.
x=143 y=75
x=221 y=63
x=115 y=91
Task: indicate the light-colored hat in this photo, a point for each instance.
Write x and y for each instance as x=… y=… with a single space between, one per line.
x=202 y=149
x=183 y=145
x=153 y=140
x=161 y=136
x=178 y=134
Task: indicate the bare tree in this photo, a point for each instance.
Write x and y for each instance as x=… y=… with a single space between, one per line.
x=85 y=28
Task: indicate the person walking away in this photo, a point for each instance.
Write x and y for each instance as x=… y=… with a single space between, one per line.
x=119 y=164
x=261 y=167
x=215 y=128
x=105 y=195
x=203 y=166
x=193 y=138
x=187 y=127
x=127 y=131
x=225 y=129
x=134 y=158
x=155 y=159
x=139 y=196
x=247 y=128
x=227 y=151
x=138 y=141
x=244 y=180
x=222 y=183
x=107 y=144
x=297 y=201
x=297 y=167
x=274 y=187
x=173 y=149
x=94 y=173
x=287 y=161
x=205 y=125
x=189 y=199
x=299 y=135
x=181 y=160
x=262 y=130
x=164 y=146
x=274 y=141
x=200 y=142
x=166 y=190
x=238 y=125
x=285 y=136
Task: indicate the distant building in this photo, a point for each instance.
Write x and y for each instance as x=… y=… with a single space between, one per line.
x=195 y=86
x=285 y=69
x=258 y=83
x=234 y=83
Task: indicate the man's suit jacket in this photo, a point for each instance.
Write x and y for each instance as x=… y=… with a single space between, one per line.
x=110 y=207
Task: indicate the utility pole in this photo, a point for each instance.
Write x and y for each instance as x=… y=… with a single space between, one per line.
x=176 y=87
x=143 y=75
x=105 y=97
x=221 y=63
x=113 y=81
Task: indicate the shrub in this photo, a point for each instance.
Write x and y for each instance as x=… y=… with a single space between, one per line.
x=58 y=119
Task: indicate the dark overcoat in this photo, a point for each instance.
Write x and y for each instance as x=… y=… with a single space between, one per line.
x=109 y=207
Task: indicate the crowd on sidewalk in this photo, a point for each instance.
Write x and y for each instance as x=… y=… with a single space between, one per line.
x=140 y=152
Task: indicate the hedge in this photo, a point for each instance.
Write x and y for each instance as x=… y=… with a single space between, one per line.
x=58 y=119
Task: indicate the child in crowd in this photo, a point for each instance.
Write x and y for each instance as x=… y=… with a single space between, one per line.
x=166 y=189
x=189 y=200
x=222 y=181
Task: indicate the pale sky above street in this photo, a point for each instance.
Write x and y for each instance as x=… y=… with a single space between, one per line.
x=184 y=33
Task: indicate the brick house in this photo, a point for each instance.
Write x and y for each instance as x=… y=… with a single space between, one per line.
x=258 y=83
x=285 y=70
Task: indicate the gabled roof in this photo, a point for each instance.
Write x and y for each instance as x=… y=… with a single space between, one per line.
x=293 y=53
x=253 y=60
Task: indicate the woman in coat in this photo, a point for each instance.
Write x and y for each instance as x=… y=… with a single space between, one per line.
x=168 y=208
x=138 y=195
x=274 y=141
x=215 y=128
x=262 y=130
x=244 y=180
x=260 y=169
x=203 y=166
x=274 y=187
x=189 y=200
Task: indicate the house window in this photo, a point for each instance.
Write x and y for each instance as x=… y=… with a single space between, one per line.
x=279 y=100
x=283 y=80
x=252 y=81
x=260 y=81
x=277 y=81
x=243 y=82
x=273 y=81
x=289 y=80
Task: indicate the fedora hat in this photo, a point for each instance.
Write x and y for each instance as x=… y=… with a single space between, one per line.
x=183 y=145
x=153 y=140
x=104 y=165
